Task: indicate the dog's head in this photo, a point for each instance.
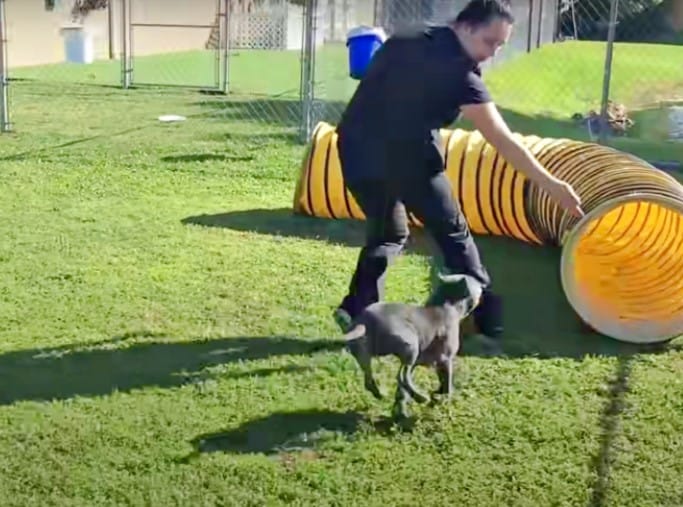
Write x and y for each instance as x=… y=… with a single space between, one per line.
x=462 y=292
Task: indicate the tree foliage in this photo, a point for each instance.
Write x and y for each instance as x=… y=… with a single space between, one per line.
x=638 y=20
x=81 y=8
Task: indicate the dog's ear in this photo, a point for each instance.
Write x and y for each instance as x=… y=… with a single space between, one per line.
x=475 y=290
x=463 y=291
x=463 y=286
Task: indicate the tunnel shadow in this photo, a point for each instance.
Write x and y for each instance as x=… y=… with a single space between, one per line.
x=283 y=222
x=206 y=157
x=539 y=320
x=56 y=147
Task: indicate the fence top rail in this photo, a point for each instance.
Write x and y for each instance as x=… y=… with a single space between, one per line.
x=170 y=25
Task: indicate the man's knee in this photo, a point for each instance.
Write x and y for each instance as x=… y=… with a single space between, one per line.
x=398 y=237
x=388 y=226
x=449 y=228
x=458 y=248
x=387 y=245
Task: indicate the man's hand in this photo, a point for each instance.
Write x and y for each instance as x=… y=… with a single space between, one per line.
x=565 y=196
x=492 y=126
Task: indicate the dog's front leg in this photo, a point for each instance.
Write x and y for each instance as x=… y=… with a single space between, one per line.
x=447 y=389
x=444 y=371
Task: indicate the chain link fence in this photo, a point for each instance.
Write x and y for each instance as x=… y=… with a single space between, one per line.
x=332 y=85
x=176 y=48
x=4 y=73
x=540 y=79
x=600 y=70
x=243 y=57
x=643 y=107
x=267 y=43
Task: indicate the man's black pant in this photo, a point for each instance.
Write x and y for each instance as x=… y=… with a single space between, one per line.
x=423 y=190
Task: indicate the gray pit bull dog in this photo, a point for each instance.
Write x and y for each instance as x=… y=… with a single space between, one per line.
x=418 y=335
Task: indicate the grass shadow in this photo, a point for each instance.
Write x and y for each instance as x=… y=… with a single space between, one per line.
x=206 y=157
x=102 y=368
x=39 y=151
x=284 y=112
x=259 y=137
x=539 y=320
x=279 y=432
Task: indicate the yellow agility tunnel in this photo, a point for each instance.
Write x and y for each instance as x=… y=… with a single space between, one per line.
x=621 y=264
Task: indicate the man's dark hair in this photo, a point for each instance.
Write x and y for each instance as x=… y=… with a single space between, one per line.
x=482 y=12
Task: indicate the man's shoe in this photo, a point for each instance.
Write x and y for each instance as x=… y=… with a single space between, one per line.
x=343 y=320
x=488 y=321
x=488 y=315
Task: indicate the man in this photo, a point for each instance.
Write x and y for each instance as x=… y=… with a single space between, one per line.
x=392 y=157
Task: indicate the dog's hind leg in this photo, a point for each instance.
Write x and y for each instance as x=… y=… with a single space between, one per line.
x=370 y=383
x=400 y=409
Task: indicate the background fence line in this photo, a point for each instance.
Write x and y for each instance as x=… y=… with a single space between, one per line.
x=4 y=73
x=583 y=69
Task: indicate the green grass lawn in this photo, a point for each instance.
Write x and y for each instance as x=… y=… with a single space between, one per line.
x=166 y=336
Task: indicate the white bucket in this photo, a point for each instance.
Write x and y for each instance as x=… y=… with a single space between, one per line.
x=79 y=46
x=676 y=123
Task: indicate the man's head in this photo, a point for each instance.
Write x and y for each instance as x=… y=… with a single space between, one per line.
x=483 y=26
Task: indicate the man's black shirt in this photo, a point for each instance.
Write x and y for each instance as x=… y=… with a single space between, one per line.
x=414 y=85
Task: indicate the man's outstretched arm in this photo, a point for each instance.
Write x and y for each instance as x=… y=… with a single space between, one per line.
x=487 y=119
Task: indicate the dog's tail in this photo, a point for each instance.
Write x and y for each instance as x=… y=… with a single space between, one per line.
x=356 y=343
x=356 y=332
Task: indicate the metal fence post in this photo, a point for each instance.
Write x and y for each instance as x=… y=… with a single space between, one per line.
x=4 y=78
x=308 y=69
x=224 y=36
x=126 y=70
x=110 y=30
x=376 y=12
x=611 y=34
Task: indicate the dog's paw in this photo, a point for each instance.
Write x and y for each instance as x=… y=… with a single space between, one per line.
x=400 y=412
x=375 y=390
x=420 y=397
x=380 y=395
x=439 y=397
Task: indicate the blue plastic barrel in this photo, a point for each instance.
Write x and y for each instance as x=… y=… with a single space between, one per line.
x=363 y=42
